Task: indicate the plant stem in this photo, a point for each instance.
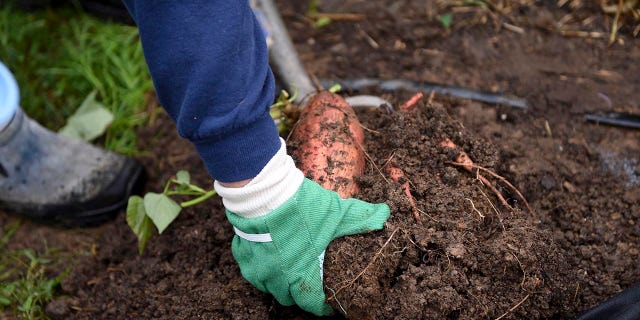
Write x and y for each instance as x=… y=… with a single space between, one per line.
x=166 y=187
x=196 y=188
x=198 y=199
x=184 y=193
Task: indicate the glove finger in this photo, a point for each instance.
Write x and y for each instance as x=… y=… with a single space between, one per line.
x=252 y=257
x=360 y=216
x=308 y=292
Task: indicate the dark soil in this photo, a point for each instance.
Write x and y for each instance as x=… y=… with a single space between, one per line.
x=472 y=256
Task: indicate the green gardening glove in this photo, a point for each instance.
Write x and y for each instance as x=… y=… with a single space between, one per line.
x=282 y=252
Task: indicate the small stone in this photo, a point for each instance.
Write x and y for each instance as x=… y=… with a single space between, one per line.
x=569 y=187
x=457 y=250
x=548 y=182
x=60 y=308
x=616 y=216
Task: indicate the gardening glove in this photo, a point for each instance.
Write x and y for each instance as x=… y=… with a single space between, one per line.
x=283 y=224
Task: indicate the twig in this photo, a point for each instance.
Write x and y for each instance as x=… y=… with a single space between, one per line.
x=373 y=43
x=575 y=294
x=430 y=98
x=547 y=128
x=514 y=307
x=338 y=16
x=614 y=25
x=583 y=34
x=513 y=28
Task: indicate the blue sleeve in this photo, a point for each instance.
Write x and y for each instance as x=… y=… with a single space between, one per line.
x=210 y=68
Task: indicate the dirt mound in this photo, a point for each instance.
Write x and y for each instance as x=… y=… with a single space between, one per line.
x=470 y=256
x=473 y=256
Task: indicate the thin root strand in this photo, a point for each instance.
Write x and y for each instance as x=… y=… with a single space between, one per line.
x=398 y=176
x=375 y=257
x=407 y=107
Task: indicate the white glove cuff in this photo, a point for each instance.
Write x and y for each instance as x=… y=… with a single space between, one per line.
x=278 y=181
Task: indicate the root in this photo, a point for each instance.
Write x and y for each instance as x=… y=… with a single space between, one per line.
x=397 y=176
x=505 y=181
x=514 y=307
x=375 y=257
x=494 y=209
x=524 y=272
x=337 y=301
x=493 y=189
x=473 y=206
x=372 y=162
x=535 y=284
x=463 y=160
x=430 y=98
x=408 y=107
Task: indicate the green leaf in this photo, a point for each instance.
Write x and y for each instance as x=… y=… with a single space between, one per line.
x=90 y=121
x=26 y=305
x=322 y=22
x=335 y=88
x=139 y=222
x=183 y=177
x=446 y=20
x=161 y=209
x=4 y=301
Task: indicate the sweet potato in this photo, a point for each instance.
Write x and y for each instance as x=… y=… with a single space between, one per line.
x=397 y=176
x=462 y=157
x=328 y=144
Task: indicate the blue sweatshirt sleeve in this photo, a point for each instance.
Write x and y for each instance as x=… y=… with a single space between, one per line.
x=209 y=64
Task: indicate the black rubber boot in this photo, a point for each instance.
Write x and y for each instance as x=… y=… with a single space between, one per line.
x=57 y=180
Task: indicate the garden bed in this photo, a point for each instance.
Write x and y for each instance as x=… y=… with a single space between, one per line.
x=472 y=256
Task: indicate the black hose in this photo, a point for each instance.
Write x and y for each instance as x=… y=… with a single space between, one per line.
x=616 y=119
x=427 y=88
x=623 y=306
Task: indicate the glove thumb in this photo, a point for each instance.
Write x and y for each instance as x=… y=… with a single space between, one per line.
x=360 y=216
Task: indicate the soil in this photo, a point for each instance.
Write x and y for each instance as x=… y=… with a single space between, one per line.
x=472 y=256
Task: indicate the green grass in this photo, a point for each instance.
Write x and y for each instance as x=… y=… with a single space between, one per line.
x=60 y=56
x=25 y=283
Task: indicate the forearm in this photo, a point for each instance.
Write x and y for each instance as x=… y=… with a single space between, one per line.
x=209 y=64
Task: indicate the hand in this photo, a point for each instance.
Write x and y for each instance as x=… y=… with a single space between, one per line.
x=282 y=252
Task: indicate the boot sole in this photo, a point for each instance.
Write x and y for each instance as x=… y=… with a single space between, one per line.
x=96 y=211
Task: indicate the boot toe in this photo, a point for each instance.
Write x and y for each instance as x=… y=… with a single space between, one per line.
x=104 y=206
